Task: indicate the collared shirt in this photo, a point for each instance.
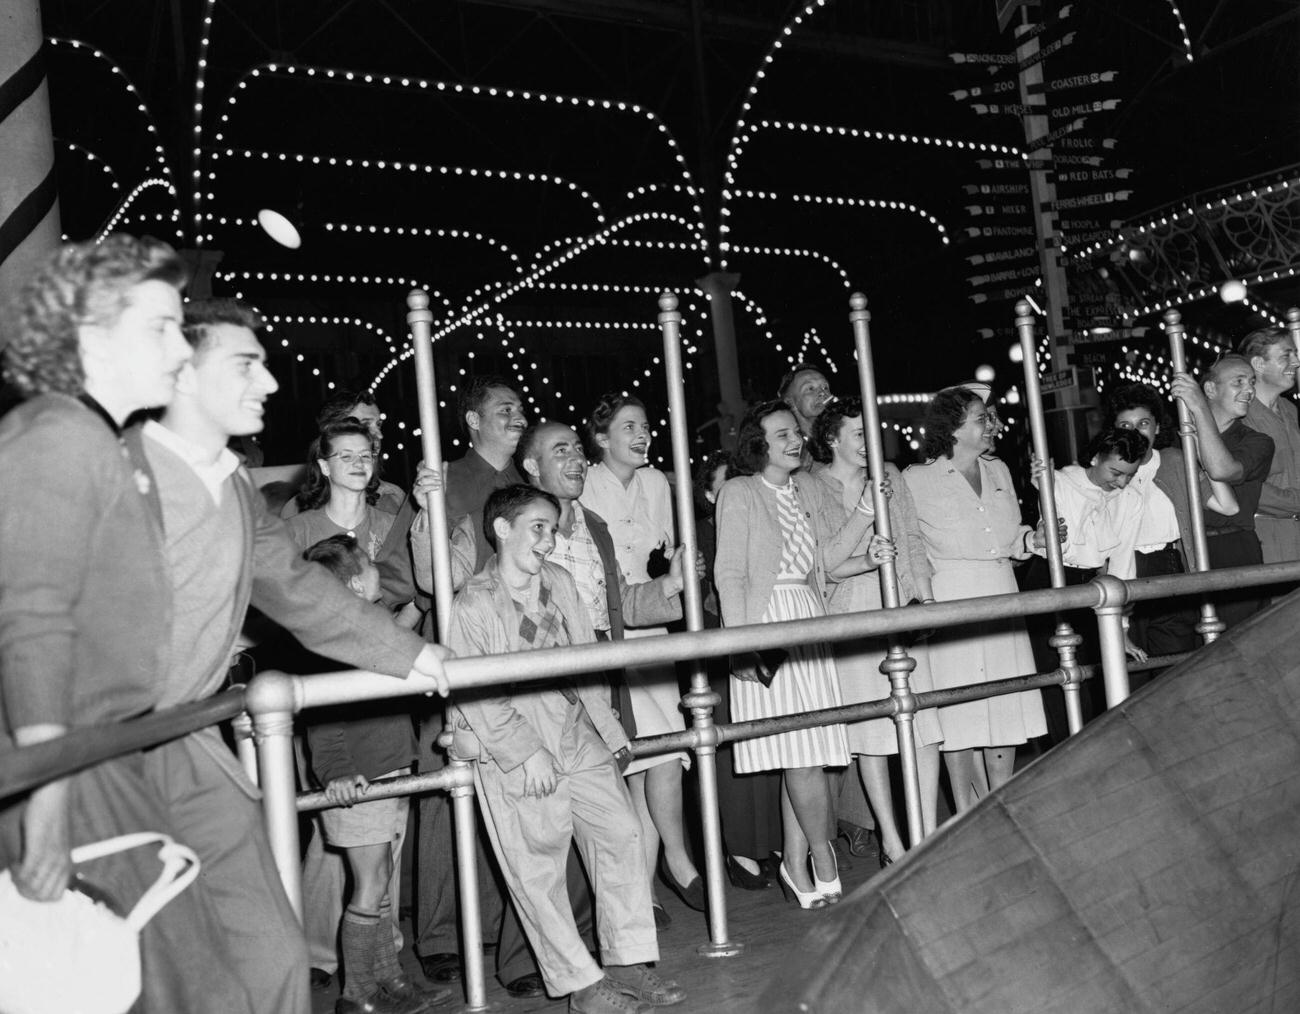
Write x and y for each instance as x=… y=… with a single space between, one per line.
x=1280 y=496
x=1255 y=452
x=577 y=553
x=639 y=515
x=1159 y=525
x=471 y=480
x=212 y=474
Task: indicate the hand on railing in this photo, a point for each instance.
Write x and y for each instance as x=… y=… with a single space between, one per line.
x=1133 y=651
x=880 y=550
x=429 y=664
x=539 y=773
x=347 y=790
x=427 y=480
x=674 y=581
x=1039 y=540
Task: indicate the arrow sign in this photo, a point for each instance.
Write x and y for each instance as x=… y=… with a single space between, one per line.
x=993 y=209
x=986 y=58
x=1055 y=135
x=994 y=231
x=1085 y=108
x=1004 y=276
x=1046 y=51
x=1003 y=163
x=1057 y=381
x=1010 y=110
x=1083 y=80
x=1002 y=255
x=1093 y=175
x=1089 y=142
x=987 y=189
x=1088 y=200
x=1043 y=26
x=997 y=88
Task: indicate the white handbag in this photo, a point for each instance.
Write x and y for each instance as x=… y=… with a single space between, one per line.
x=75 y=955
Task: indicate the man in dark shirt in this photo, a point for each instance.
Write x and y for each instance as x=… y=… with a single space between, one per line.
x=1229 y=388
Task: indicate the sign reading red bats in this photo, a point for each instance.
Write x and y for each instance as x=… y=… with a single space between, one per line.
x=1093 y=175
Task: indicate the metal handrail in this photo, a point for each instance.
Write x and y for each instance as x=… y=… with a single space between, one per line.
x=488 y=670
x=84 y=746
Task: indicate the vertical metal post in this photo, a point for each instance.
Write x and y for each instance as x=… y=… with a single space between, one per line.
x=272 y=699
x=702 y=699
x=420 y=320
x=1065 y=640
x=1112 y=593
x=1210 y=626
x=897 y=665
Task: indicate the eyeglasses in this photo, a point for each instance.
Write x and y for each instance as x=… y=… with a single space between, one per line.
x=349 y=458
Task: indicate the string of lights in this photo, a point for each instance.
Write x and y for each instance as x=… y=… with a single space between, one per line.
x=867 y=134
x=741 y=132
x=205 y=40
x=119 y=213
x=388 y=281
x=159 y=152
x=1182 y=29
x=875 y=204
x=481 y=91
x=95 y=161
x=428 y=233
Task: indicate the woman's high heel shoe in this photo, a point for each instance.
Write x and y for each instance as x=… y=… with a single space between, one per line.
x=806 y=899
x=830 y=890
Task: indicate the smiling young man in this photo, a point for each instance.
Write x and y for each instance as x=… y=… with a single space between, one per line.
x=225 y=551
x=549 y=771
x=1272 y=353
x=1229 y=388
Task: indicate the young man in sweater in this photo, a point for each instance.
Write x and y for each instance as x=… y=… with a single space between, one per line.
x=226 y=551
x=549 y=771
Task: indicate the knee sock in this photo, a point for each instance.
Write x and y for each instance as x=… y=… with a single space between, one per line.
x=359 y=935
x=387 y=966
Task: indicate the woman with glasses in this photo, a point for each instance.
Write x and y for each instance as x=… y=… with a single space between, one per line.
x=340 y=492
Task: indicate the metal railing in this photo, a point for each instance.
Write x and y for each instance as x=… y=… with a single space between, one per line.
x=272 y=699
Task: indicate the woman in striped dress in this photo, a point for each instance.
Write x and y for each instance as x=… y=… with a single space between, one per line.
x=774 y=555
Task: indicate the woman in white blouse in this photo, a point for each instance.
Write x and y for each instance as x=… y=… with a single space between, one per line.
x=634 y=500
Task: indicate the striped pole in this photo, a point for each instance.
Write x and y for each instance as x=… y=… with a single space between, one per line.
x=29 y=200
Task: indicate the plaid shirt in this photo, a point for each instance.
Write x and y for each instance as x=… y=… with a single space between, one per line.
x=577 y=553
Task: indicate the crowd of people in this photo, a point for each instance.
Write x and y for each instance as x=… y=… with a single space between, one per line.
x=137 y=544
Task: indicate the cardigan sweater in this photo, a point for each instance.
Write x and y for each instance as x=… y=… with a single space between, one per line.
x=85 y=594
x=750 y=543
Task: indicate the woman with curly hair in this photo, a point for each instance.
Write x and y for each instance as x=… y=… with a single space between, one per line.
x=339 y=494
x=633 y=498
x=839 y=447
x=970 y=521
x=776 y=552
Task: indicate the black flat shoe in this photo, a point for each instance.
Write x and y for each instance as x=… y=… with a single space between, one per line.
x=740 y=877
x=692 y=894
x=662 y=919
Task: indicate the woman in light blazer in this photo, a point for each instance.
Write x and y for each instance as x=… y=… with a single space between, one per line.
x=774 y=557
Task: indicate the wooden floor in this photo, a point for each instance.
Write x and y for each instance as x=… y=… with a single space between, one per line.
x=761 y=920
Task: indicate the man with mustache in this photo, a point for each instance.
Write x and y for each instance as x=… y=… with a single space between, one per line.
x=226 y=551
x=1272 y=354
